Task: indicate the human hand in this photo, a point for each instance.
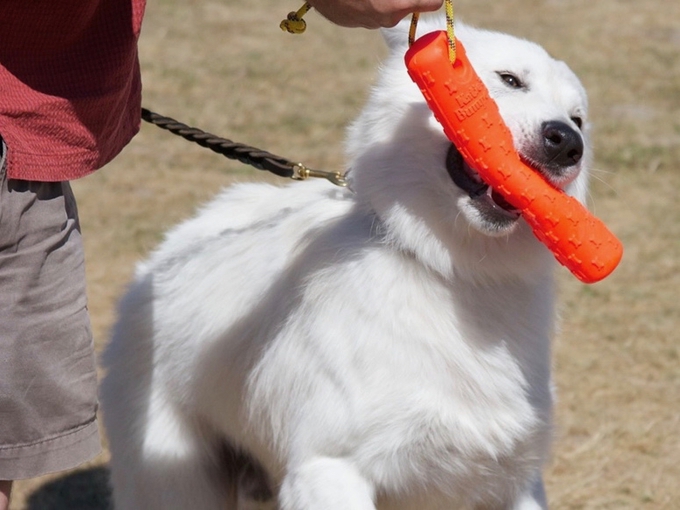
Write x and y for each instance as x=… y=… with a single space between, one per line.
x=371 y=13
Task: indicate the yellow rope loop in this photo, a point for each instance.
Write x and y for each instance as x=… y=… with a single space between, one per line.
x=412 y=29
x=294 y=24
x=449 y=29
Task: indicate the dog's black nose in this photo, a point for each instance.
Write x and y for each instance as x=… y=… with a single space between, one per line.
x=562 y=144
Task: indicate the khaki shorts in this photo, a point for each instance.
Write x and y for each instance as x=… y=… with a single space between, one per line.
x=48 y=381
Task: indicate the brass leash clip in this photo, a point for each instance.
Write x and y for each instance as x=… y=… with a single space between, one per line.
x=301 y=173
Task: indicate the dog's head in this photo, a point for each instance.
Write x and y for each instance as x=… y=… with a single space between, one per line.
x=430 y=201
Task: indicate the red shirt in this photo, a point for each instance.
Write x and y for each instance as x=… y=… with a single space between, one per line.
x=70 y=87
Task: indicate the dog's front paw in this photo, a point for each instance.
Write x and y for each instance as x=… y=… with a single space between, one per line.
x=328 y=483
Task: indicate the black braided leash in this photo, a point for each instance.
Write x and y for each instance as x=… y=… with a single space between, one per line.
x=262 y=160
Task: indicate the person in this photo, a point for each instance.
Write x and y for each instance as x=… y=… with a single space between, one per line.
x=70 y=101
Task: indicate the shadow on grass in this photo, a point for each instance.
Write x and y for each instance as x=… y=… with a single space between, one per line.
x=87 y=489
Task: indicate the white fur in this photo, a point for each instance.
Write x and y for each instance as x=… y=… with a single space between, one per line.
x=360 y=349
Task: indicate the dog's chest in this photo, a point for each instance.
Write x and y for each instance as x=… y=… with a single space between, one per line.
x=426 y=386
x=451 y=424
x=472 y=384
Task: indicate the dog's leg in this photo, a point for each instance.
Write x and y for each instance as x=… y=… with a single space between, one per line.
x=328 y=483
x=534 y=498
x=167 y=464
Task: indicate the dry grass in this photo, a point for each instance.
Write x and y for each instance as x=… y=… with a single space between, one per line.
x=226 y=67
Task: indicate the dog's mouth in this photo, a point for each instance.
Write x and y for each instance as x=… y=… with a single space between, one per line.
x=488 y=201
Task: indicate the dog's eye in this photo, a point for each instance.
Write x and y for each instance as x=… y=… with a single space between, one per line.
x=511 y=80
x=578 y=121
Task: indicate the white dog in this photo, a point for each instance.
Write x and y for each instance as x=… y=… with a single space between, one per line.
x=387 y=346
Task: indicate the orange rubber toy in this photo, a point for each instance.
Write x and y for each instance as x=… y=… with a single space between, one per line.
x=472 y=121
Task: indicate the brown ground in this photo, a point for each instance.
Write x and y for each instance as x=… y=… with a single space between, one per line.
x=226 y=67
